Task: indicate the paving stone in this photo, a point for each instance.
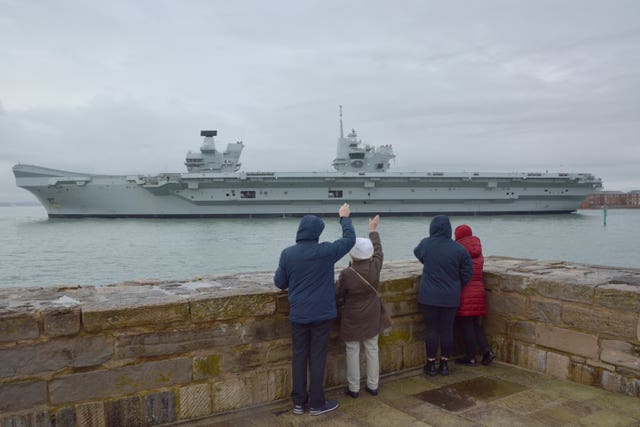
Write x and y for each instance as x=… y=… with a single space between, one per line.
x=54 y=355
x=23 y=395
x=609 y=419
x=119 y=381
x=160 y=408
x=495 y=416
x=527 y=401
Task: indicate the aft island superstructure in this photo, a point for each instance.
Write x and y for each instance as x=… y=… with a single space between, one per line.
x=214 y=186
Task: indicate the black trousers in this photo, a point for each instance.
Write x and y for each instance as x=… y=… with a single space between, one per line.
x=310 y=342
x=439 y=328
x=473 y=335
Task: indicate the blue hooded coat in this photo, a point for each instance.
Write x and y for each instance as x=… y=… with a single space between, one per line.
x=307 y=270
x=447 y=266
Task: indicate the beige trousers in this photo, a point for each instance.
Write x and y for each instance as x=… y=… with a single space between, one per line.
x=353 y=363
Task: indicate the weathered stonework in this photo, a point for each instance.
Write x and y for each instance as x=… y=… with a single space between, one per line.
x=150 y=353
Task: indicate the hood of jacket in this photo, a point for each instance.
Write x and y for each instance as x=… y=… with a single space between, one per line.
x=310 y=228
x=463 y=231
x=440 y=227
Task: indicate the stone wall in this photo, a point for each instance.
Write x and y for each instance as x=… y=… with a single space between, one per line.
x=148 y=353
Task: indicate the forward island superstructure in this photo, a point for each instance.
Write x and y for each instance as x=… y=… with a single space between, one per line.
x=214 y=186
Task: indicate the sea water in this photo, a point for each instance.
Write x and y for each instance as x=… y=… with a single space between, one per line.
x=37 y=251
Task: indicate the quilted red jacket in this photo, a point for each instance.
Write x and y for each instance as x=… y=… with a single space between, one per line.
x=473 y=301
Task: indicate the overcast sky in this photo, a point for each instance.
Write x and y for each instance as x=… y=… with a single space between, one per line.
x=126 y=86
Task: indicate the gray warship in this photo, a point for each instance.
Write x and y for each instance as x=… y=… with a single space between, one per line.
x=214 y=186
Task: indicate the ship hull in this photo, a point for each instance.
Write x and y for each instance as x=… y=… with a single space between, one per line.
x=199 y=195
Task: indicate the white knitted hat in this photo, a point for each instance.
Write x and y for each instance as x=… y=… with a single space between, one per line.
x=363 y=249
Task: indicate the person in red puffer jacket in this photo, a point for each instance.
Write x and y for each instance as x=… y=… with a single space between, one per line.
x=473 y=302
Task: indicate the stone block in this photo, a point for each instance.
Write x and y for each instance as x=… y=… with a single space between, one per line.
x=567 y=340
x=401 y=306
x=584 y=374
x=37 y=418
x=511 y=304
x=160 y=408
x=266 y=329
x=522 y=331
x=600 y=321
x=195 y=401
x=514 y=282
x=126 y=412
x=621 y=354
x=230 y=394
x=90 y=415
x=413 y=354
x=18 y=326
x=282 y=303
x=544 y=311
x=65 y=418
x=232 y=307
x=620 y=297
x=336 y=370
x=495 y=324
x=404 y=285
x=205 y=367
x=528 y=356
x=391 y=358
x=55 y=355
x=571 y=289
x=98 y=318
x=61 y=321
x=23 y=395
x=558 y=365
x=257 y=384
x=218 y=335
x=279 y=380
x=119 y=381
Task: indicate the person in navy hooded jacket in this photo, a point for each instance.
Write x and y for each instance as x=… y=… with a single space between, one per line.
x=447 y=268
x=306 y=270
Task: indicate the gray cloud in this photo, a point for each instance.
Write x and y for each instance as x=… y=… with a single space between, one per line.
x=125 y=87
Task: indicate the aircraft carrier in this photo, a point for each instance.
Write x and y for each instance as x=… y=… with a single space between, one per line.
x=214 y=186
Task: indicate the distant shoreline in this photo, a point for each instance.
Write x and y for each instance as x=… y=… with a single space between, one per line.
x=9 y=204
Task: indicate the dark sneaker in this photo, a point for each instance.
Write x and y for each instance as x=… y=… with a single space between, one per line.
x=444 y=367
x=488 y=357
x=353 y=394
x=468 y=361
x=371 y=392
x=430 y=368
x=298 y=409
x=329 y=405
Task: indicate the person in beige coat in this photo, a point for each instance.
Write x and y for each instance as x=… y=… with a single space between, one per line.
x=361 y=310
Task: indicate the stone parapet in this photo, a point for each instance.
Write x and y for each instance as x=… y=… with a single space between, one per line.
x=150 y=352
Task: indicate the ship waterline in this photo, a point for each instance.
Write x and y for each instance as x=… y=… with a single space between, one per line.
x=214 y=186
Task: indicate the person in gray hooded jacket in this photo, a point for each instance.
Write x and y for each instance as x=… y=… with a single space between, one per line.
x=307 y=271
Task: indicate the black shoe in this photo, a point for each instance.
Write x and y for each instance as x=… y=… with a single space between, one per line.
x=353 y=394
x=488 y=357
x=430 y=368
x=444 y=367
x=469 y=361
x=371 y=392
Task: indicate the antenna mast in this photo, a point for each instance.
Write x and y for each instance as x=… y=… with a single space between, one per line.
x=341 y=132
